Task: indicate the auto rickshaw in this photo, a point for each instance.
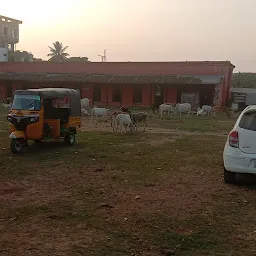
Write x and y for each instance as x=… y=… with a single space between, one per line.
x=44 y=114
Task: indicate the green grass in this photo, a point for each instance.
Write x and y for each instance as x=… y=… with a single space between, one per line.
x=195 y=124
x=166 y=198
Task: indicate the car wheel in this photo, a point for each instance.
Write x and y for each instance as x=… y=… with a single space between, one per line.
x=229 y=177
x=17 y=145
x=70 y=139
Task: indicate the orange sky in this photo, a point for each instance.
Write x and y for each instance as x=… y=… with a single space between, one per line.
x=140 y=30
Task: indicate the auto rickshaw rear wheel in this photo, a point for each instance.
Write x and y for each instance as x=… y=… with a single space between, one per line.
x=17 y=145
x=70 y=139
x=37 y=141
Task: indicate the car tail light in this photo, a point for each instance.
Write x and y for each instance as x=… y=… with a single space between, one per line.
x=233 y=139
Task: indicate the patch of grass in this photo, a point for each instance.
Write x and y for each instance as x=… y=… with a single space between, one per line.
x=183 y=205
x=194 y=123
x=183 y=237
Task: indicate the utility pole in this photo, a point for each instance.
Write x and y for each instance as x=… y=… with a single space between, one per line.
x=103 y=57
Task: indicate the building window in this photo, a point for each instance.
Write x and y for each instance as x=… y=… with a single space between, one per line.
x=14 y=33
x=116 y=95
x=5 y=31
x=191 y=98
x=137 y=95
x=2 y=44
x=97 y=93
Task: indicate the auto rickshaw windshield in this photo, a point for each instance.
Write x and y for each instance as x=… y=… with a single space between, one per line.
x=26 y=102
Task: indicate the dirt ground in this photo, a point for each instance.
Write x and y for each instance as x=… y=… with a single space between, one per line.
x=158 y=192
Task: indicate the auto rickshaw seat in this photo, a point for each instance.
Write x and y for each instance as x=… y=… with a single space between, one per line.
x=56 y=113
x=63 y=115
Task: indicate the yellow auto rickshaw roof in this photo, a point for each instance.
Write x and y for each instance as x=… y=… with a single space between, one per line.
x=52 y=92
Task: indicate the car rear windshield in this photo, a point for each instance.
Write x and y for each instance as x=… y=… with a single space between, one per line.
x=248 y=121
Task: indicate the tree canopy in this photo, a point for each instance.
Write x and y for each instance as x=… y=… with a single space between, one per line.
x=246 y=80
x=78 y=59
x=57 y=52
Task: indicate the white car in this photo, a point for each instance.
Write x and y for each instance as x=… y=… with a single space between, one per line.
x=240 y=149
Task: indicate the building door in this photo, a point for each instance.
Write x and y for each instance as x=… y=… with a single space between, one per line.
x=191 y=98
x=159 y=95
x=96 y=97
x=207 y=97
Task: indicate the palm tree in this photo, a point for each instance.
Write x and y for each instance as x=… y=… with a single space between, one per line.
x=58 y=53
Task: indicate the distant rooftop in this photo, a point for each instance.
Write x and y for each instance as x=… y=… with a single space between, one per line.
x=113 y=79
x=209 y=68
x=243 y=90
x=9 y=20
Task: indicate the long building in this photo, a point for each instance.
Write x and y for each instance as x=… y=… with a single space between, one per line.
x=126 y=83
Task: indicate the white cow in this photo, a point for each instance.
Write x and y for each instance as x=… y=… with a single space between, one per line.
x=113 y=119
x=165 y=108
x=99 y=113
x=85 y=103
x=7 y=105
x=182 y=108
x=123 y=120
x=207 y=109
x=200 y=112
x=85 y=112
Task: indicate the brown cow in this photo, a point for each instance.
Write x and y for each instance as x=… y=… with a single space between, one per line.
x=137 y=118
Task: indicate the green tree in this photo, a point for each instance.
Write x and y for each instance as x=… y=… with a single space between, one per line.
x=57 y=52
x=246 y=80
x=78 y=59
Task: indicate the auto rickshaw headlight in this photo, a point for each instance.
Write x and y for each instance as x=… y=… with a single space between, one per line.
x=9 y=119
x=34 y=119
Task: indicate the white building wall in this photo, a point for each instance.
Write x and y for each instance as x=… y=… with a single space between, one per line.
x=3 y=54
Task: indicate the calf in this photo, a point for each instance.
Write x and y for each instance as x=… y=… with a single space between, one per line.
x=200 y=112
x=207 y=109
x=123 y=120
x=137 y=118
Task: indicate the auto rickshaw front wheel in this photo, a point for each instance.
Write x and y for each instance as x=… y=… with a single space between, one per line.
x=17 y=145
x=70 y=139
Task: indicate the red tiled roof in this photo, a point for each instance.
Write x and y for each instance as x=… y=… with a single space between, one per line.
x=121 y=68
x=113 y=79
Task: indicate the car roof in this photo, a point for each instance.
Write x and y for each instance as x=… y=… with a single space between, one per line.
x=251 y=107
